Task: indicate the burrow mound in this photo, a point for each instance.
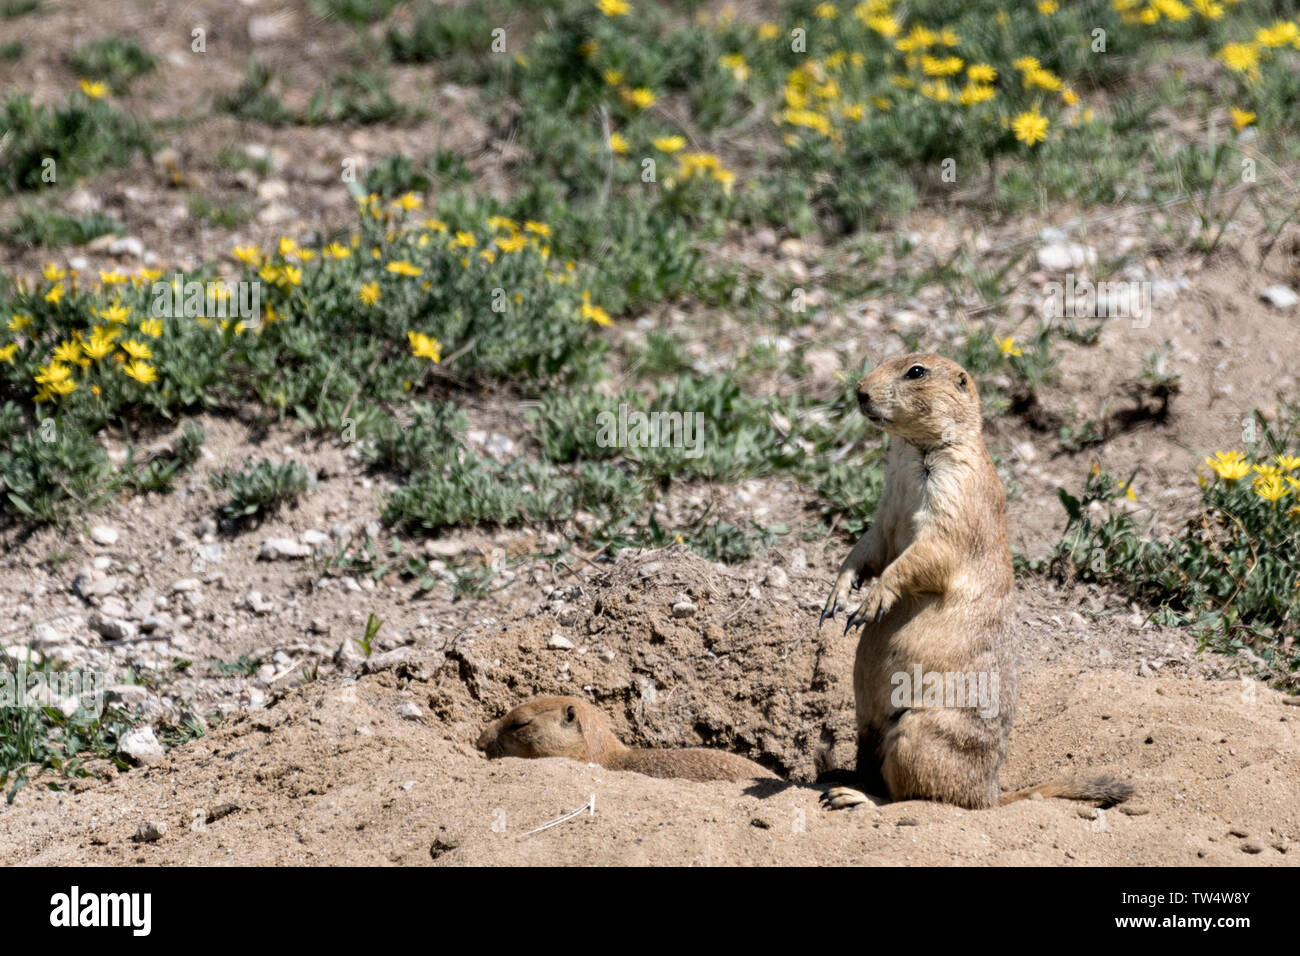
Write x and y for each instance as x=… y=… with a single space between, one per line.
x=678 y=652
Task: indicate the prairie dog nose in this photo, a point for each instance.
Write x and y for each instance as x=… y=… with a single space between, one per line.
x=864 y=396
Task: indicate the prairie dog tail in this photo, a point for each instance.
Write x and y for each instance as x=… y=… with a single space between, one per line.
x=1103 y=789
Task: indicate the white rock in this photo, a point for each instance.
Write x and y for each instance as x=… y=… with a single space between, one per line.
x=140 y=746
x=441 y=548
x=87 y=585
x=1064 y=256
x=185 y=585
x=271 y=26
x=48 y=635
x=112 y=607
x=777 y=578
x=274 y=549
x=315 y=538
x=254 y=601
x=18 y=652
x=559 y=642
x=151 y=831
x=349 y=653
x=272 y=190
x=409 y=710
x=1280 y=297
x=498 y=444
x=103 y=534
x=112 y=628
x=127 y=246
x=684 y=609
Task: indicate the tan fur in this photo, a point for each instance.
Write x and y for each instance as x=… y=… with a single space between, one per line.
x=941 y=562
x=571 y=727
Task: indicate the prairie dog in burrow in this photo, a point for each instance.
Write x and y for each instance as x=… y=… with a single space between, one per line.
x=571 y=727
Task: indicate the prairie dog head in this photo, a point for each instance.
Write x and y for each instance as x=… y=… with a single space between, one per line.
x=545 y=727
x=924 y=399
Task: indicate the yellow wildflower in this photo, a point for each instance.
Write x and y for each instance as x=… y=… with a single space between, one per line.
x=1030 y=127
x=137 y=350
x=117 y=312
x=593 y=312
x=424 y=346
x=1229 y=465
x=1269 y=488
x=100 y=343
x=142 y=372
x=641 y=97
x=1240 y=57
x=408 y=201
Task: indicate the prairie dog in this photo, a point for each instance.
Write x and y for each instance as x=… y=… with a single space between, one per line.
x=938 y=560
x=571 y=727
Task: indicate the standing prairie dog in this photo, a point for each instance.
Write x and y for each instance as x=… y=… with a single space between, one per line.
x=939 y=564
x=571 y=727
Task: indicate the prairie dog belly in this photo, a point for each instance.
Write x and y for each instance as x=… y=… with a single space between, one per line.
x=929 y=641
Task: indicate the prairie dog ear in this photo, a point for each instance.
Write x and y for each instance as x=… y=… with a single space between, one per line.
x=961 y=380
x=570 y=714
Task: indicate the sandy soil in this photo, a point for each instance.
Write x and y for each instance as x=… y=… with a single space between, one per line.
x=330 y=773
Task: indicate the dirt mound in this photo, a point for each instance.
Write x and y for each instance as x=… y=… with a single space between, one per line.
x=332 y=773
x=680 y=652
x=380 y=768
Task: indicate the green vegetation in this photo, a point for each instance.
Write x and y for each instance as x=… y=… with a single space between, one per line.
x=263 y=488
x=1231 y=572
x=115 y=60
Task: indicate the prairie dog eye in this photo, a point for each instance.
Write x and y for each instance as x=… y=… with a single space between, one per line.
x=917 y=371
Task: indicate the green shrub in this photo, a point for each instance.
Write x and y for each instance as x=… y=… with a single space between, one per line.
x=261 y=489
x=81 y=137
x=116 y=60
